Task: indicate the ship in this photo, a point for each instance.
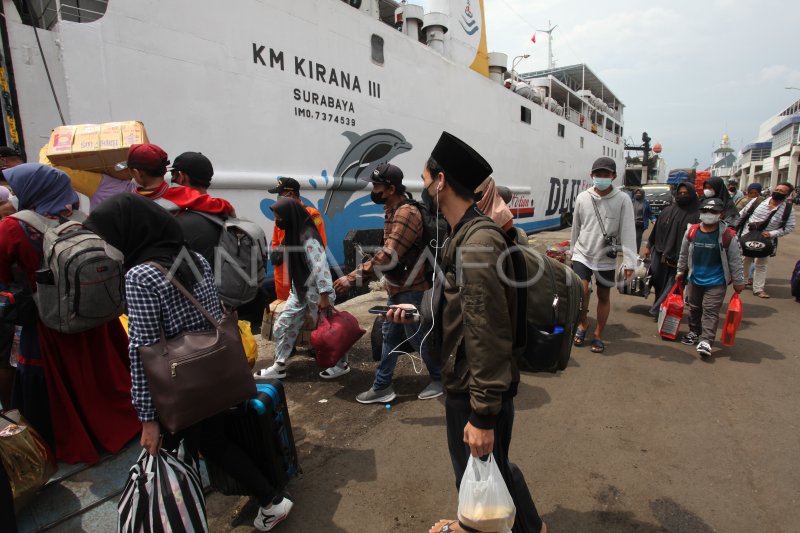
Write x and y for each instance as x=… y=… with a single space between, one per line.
x=319 y=90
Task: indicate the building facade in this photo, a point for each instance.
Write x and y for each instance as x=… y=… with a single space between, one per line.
x=775 y=155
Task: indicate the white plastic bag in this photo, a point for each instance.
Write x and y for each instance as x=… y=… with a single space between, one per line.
x=484 y=502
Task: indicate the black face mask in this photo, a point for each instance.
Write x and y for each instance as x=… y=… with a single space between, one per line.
x=377 y=198
x=427 y=200
x=683 y=200
x=280 y=224
x=778 y=196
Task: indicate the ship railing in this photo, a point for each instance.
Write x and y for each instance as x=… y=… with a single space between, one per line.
x=73 y=11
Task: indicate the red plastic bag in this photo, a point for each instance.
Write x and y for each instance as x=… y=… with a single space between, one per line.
x=671 y=313
x=336 y=333
x=732 y=320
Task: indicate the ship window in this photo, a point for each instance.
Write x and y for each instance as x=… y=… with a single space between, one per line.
x=604 y=150
x=525 y=114
x=581 y=142
x=377 y=49
x=560 y=130
x=45 y=13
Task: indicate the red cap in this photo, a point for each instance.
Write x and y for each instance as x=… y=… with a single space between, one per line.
x=147 y=156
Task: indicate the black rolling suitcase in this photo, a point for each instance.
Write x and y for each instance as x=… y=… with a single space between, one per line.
x=262 y=428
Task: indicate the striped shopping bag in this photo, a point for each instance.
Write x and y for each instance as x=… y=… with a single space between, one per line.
x=163 y=494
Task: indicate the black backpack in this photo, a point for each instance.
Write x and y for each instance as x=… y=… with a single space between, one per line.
x=429 y=245
x=549 y=297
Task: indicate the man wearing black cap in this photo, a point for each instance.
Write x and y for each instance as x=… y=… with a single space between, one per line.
x=289 y=188
x=474 y=325
x=10 y=157
x=192 y=169
x=603 y=225
x=405 y=281
x=710 y=259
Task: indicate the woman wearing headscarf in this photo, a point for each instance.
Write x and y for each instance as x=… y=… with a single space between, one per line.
x=74 y=389
x=642 y=214
x=139 y=232
x=663 y=245
x=715 y=188
x=312 y=286
x=492 y=204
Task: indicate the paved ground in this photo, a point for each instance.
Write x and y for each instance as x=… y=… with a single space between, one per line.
x=645 y=438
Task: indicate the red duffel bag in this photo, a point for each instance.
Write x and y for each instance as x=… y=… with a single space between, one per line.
x=337 y=332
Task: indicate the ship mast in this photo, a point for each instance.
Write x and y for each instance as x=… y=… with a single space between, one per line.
x=549 y=32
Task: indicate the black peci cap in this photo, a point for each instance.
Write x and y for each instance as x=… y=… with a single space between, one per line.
x=461 y=161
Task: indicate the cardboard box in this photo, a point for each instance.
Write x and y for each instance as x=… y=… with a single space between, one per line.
x=95 y=147
x=271 y=316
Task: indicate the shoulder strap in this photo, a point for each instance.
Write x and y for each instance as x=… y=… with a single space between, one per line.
x=215 y=219
x=742 y=224
x=599 y=218
x=787 y=210
x=167 y=204
x=692 y=231
x=727 y=237
x=189 y=296
x=520 y=314
x=35 y=220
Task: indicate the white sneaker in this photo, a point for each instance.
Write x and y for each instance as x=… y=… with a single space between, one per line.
x=269 y=517
x=276 y=371
x=335 y=371
x=704 y=349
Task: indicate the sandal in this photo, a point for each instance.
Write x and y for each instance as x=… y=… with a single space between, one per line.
x=762 y=294
x=598 y=346
x=335 y=371
x=445 y=526
x=580 y=337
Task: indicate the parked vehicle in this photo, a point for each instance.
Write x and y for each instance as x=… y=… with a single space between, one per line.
x=659 y=196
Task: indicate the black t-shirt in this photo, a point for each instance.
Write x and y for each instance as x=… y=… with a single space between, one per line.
x=201 y=234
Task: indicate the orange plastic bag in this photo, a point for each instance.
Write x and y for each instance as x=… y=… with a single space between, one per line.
x=671 y=313
x=732 y=320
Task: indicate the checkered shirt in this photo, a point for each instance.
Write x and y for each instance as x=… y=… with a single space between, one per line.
x=153 y=303
x=402 y=228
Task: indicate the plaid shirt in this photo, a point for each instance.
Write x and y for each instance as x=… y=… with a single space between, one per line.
x=155 y=303
x=402 y=228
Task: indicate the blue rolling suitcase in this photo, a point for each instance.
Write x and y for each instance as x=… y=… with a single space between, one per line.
x=262 y=428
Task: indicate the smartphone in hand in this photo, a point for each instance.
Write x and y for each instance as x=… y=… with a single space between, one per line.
x=383 y=309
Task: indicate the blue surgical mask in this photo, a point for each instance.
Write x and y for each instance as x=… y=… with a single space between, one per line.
x=601 y=184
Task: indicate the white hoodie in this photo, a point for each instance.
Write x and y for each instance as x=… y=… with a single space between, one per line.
x=588 y=243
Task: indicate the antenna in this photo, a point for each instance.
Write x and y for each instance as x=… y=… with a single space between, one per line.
x=549 y=32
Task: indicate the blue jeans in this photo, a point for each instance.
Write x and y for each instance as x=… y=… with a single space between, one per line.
x=395 y=334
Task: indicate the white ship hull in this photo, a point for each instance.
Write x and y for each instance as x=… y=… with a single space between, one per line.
x=273 y=88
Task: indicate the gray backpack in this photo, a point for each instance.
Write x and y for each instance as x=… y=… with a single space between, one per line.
x=239 y=258
x=78 y=286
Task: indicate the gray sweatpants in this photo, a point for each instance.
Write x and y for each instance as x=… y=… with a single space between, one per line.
x=704 y=305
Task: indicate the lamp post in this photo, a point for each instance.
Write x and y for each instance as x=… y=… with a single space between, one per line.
x=515 y=62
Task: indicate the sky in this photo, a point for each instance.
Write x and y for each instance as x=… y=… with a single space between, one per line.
x=687 y=71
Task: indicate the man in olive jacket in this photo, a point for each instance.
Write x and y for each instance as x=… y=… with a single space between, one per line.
x=474 y=326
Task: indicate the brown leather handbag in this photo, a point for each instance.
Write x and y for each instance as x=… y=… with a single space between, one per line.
x=197 y=374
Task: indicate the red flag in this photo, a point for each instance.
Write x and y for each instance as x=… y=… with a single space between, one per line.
x=533 y=38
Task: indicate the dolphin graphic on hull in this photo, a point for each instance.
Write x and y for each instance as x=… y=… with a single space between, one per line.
x=364 y=154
